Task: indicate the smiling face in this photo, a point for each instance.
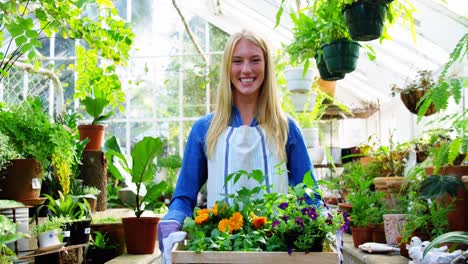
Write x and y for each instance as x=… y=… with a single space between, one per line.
x=247 y=69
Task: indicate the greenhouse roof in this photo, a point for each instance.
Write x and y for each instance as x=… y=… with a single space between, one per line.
x=438 y=30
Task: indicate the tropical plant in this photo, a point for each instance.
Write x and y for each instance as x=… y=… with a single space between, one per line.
x=100 y=241
x=67 y=205
x=8 y=235
x=450 y=237
x=142 y=168
x=356 y=176
x=435 y=186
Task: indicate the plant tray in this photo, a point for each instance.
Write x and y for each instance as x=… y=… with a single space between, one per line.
x=180 y=255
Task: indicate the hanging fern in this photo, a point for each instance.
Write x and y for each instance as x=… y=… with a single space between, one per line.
x=446 y=86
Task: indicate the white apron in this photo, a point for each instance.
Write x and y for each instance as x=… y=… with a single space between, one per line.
x=243 y=148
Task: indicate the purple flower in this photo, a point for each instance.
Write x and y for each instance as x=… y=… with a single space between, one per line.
x=312 y=213
x=345 y=226
x=275 y=223
x=305 y=211
x=285 y=218
x=283 y=205
x=290 y=250
x=299 y=221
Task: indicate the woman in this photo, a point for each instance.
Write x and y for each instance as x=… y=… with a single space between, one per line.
x=248 y=130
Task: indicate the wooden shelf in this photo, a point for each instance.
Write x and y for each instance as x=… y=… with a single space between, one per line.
x=32 y=255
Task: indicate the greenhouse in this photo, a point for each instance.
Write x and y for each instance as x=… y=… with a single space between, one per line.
x=233 y=131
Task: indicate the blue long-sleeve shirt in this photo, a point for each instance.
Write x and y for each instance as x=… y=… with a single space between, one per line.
x=194 y=170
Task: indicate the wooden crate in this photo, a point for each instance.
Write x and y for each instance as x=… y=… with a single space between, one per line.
x=179 y=256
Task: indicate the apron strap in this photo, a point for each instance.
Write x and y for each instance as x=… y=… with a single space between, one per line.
x=265 y=160
x=226 y=162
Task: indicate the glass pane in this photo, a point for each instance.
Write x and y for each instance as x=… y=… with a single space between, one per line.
x=218 y=39
x=121 y=6
x=194 y=87
x=64 y=47
x=197 y=26
x=170 y=132
x=140 y=89
x=67 y=78
x=116 y=129
x=168 y=94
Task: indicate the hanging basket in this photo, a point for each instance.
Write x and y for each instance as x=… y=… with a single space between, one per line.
x=341 y=56
x=411 y=98
x=365 y=21
x=324 y=73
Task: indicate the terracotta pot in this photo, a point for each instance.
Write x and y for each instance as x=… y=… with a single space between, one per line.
x=92 y=203
x=391 y=186
x=361 y=235
x=457 y=217
x=95 y=133
x=345 y=207
x=366 y=160
x=402 y=246
x=140 y=234
x=378 y=233
x=327 y=87
x=115 y=233
x=22 y=180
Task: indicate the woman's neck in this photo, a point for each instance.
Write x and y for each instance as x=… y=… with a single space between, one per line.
x=247 y=108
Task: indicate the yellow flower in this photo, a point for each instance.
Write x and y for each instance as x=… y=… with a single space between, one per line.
x=203 y=218
x=236 y=221
x=224 y=226
x=215 y=209
x=203 y=211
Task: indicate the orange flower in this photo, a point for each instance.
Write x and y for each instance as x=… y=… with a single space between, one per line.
x=224 y=225
x=259 y=222
x=203 y=218
x=236 y=221
x=203 y=211
x=215 y=209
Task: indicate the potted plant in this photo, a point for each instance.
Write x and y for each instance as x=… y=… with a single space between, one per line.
x=89 y=193
x=450 y=237
x=48 y=234
x=112 y=227
x=364 y=19
x=100 y=249
x=8 y=229
x=78 y=211
x=98 y=90
x=140 y=232
x=40 y=144
x=415 y=90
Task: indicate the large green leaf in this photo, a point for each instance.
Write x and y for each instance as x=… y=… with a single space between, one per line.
x=95 y=106
x=155 y=191
x=450 y=237
x=143 y=155
x=435 y=186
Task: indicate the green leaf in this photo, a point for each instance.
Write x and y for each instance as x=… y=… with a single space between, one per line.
x=32 y=34
x=435 y=186
x=450 y=237
x=308 y=181
x=258 y=175
x=95 y=106
x=143 y=155
x=25 y=48
x=155 y=192
x=20 y=40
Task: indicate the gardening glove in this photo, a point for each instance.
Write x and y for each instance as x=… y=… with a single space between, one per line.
x=168 y=243
x=165 y=227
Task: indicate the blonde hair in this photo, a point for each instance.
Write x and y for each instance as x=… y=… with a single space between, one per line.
x=270 y=115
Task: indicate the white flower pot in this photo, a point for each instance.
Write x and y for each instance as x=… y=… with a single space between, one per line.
x=336 y=155
x=296 y=83
x=311 y=137
x=49 y=238
x=303 y=102
x=316 y=154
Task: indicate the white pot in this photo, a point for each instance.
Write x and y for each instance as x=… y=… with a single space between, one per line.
x=49 y=238
x=295 y=81
x=303 y=102
x=311 y=137
x=316 y=154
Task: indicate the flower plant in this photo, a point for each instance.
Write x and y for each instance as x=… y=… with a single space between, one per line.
x=247 y=221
